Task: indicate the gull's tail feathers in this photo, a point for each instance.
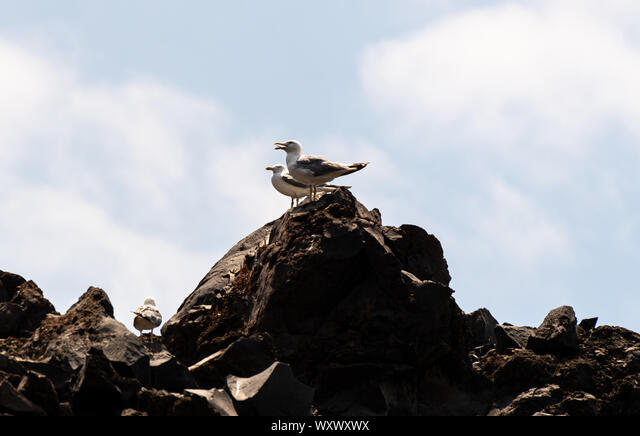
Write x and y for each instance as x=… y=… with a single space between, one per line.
x=356 y=167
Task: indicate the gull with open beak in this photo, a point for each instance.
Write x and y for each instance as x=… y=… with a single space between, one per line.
x=313 y=170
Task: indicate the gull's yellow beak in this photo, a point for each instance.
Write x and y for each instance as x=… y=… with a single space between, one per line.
x=282 y=146
x=269 y=168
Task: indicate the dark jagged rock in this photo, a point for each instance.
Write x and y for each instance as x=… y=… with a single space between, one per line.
x=419 y=252
x=9 y=283
x=57 y=370
x=13 y=402
x=83 y=362
x=557 y=334
x=482 y=326
x=41 y=391
x=273 y=392
x=4 y=295
x=183 y=333
x=508 y=336
x=133 y=412
x=600 y=378
x=360 y=315
x=35 y=307
x=575 y=404
x=156 y=402
x=518 y=371
x=9 y=365
x=89 y=323
x=532 y=401
x=167 y=373
x=22 y=306
x=95 y=391
x=244 y=357
x=218 y=399
x=588 y=323
x=334 y=289
x=10 y=317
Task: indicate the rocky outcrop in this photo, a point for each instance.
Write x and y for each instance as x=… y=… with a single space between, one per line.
x=88 y=324
x=273 y=392
x=183 y=333
x=596 y=376
x=558 y=333
x=86 y=363
x=359 y=310
x=22 y=306
x=510 y=336
x=324 y=311
x=482 y=326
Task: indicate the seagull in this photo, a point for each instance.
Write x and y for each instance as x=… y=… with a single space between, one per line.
x=313 y=170
x=147 y=317
x=287 y=185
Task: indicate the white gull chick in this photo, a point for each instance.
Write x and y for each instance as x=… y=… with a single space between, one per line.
x=147 y=317
x=313 y=170
x=287 y=185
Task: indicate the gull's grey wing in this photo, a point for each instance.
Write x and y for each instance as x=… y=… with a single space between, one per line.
x=320 y=166
x=291 y=181
x=150 y=313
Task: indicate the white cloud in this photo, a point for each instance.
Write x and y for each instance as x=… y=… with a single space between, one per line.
x=133 y=186
x=543 y=75
x=522 y=94
x=129 y=186
x=61 y=241
x=514 y=225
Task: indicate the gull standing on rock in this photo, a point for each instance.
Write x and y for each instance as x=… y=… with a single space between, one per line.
x=287 y=185
x=147 y=317
x=313 y=170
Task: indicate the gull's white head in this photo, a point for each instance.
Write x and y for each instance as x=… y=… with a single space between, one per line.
x=277 y=169
x=289 y=146
x=150 y=301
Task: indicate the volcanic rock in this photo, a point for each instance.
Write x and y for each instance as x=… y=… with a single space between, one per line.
x=532 y=401
x=9 y=283
x=334 y=289
x=588 y=323
x=183 y=333
x=10 y=317
x=557 y=334
x=156 y=402
x=244 y=357
x=509 y=336
x=273 y=392
x=359 y=318
x=87 y=324
x=167 y=373
x=218 y=399
x=482 y=325
x=95 y=391
x=22 y=306
x=41 y=391
x=14 y=403
x=4 y=295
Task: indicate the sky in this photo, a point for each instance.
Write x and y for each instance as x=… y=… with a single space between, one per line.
x=134 y=136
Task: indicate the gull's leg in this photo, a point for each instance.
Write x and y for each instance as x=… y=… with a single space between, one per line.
x=310 y=192
x=291 y=203
x=315 y=192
